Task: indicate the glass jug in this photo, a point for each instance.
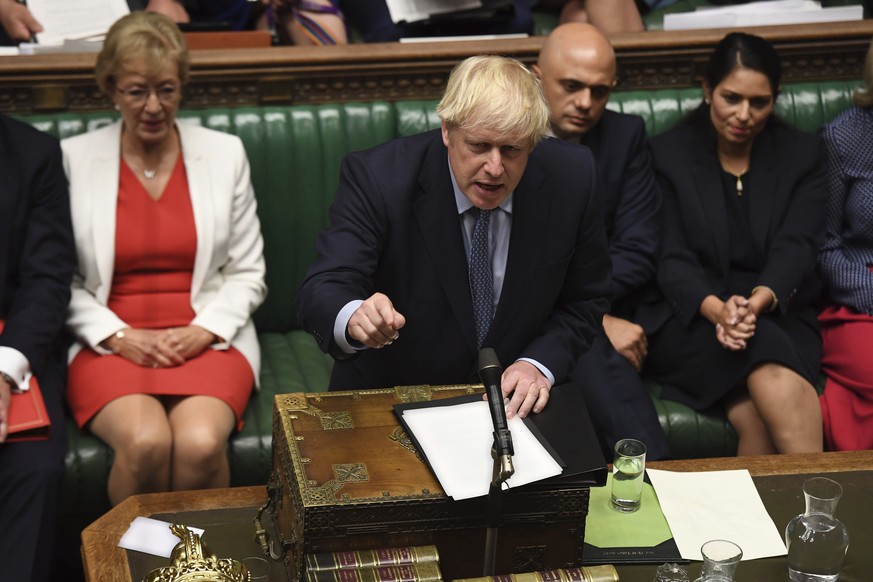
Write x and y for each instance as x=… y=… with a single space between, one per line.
x=816 y=540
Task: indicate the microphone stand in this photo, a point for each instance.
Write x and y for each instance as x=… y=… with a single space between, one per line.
x=502 y=471
x=501 y=451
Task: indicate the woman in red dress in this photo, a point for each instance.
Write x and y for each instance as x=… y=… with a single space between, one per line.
x=170 y=268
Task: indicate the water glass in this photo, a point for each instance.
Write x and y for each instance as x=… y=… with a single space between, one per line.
x=720 y=560
x=628 y=467
x=670 y=573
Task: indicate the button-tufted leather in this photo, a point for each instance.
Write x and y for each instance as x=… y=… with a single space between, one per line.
x=295 y=155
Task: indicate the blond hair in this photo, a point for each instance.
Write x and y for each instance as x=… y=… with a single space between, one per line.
x=147 y=36
x=864 y=97
x=496 y=93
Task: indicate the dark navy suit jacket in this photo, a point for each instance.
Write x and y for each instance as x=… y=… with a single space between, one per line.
x=615 y=394
x=624 y=171
x=394 y=228
x=36 y=266
x=786 y=218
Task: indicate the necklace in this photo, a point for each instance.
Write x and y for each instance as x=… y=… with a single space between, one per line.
x=149 y=174
x=739 y=177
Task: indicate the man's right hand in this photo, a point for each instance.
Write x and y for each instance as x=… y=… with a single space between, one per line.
x=17 y=21
x=376 y=323
x=628 y=339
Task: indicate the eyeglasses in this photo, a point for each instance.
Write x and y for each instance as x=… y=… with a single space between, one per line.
x=139 y=95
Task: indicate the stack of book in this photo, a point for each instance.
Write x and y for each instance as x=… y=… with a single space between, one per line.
x=408 y=564
x=604 y=573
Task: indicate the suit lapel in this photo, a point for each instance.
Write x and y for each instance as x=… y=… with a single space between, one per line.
x=105 y=166
x=436 y=215
x=530 y=211
x=201 y=190
x=707 y=182
x=763 y=188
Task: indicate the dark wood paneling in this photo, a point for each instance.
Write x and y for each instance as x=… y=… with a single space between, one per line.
x=300 y=75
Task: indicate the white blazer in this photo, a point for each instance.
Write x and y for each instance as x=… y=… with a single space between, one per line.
x=228 y=279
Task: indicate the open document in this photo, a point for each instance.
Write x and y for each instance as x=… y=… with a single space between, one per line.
x=457 y=439
x=762 y=14
x=64 y=20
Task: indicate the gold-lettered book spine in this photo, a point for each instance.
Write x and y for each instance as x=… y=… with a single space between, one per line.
x=371 y=558
x=605 y=573
x=424 y=572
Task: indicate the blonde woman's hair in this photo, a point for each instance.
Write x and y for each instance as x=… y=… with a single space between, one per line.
x=497 y=93
x=141 y=36
x=864 y=97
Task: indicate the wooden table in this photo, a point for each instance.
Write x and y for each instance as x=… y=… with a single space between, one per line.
x=103 y=559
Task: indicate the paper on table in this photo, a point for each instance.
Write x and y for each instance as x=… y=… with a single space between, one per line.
x=151 y=536
x=762 y=14
x=457 y=443
x=415 y=10
x=713 y=505
x=62 y=19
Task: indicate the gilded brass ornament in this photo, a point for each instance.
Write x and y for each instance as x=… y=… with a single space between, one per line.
x=193 y=561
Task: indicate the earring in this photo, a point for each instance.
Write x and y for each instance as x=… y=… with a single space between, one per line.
x=117 y=108
x=705 y=101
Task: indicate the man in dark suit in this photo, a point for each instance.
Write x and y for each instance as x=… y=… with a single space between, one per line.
x=389 y=294
x=578 y=71
x=36 y=268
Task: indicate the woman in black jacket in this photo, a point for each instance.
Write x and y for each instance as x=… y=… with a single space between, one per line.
x=744 y=210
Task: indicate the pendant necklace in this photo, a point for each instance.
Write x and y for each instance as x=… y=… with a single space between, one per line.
x=149 y=174
x=739 y=177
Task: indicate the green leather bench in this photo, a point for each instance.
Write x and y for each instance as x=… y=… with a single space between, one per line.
x=295 y=154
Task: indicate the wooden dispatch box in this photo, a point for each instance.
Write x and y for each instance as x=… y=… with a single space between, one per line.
x=347 y=477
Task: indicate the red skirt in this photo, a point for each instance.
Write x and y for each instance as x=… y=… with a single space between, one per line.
x=847 y=401
x=95 y=380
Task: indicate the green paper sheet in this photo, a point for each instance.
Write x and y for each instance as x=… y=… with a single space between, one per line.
x=606 y=527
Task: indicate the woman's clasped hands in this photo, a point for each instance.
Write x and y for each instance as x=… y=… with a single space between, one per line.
x=160 y=348
x=735 y=323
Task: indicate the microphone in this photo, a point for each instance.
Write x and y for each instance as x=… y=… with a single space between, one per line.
x=489 y=373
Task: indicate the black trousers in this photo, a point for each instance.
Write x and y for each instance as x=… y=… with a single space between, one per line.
x=30 y=481
x=618 y=400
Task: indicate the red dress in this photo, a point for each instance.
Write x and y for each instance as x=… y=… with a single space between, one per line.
x=155 y=245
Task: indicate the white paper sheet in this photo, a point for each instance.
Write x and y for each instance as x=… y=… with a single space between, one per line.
x=415 y=39
x=151 y=536
x=761 y=14
x=415 y=10
x=63 y=19
x=712 y=505
x=457 y=441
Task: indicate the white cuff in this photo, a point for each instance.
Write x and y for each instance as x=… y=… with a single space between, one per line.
x=341 y=325
x=545 y=371
x=13 y=363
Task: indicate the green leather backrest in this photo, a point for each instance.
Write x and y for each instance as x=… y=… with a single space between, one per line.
x=295 y=154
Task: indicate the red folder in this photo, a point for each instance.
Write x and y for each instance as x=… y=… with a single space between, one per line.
x=28 y=417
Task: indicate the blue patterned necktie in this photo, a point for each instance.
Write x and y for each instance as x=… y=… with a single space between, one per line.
x=481 y=279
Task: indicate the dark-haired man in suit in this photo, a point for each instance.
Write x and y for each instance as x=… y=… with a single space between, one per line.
x=36 y=268
x=577 y=68
x=480 y=234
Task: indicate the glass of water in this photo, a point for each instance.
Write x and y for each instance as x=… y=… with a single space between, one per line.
x=628 y=466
